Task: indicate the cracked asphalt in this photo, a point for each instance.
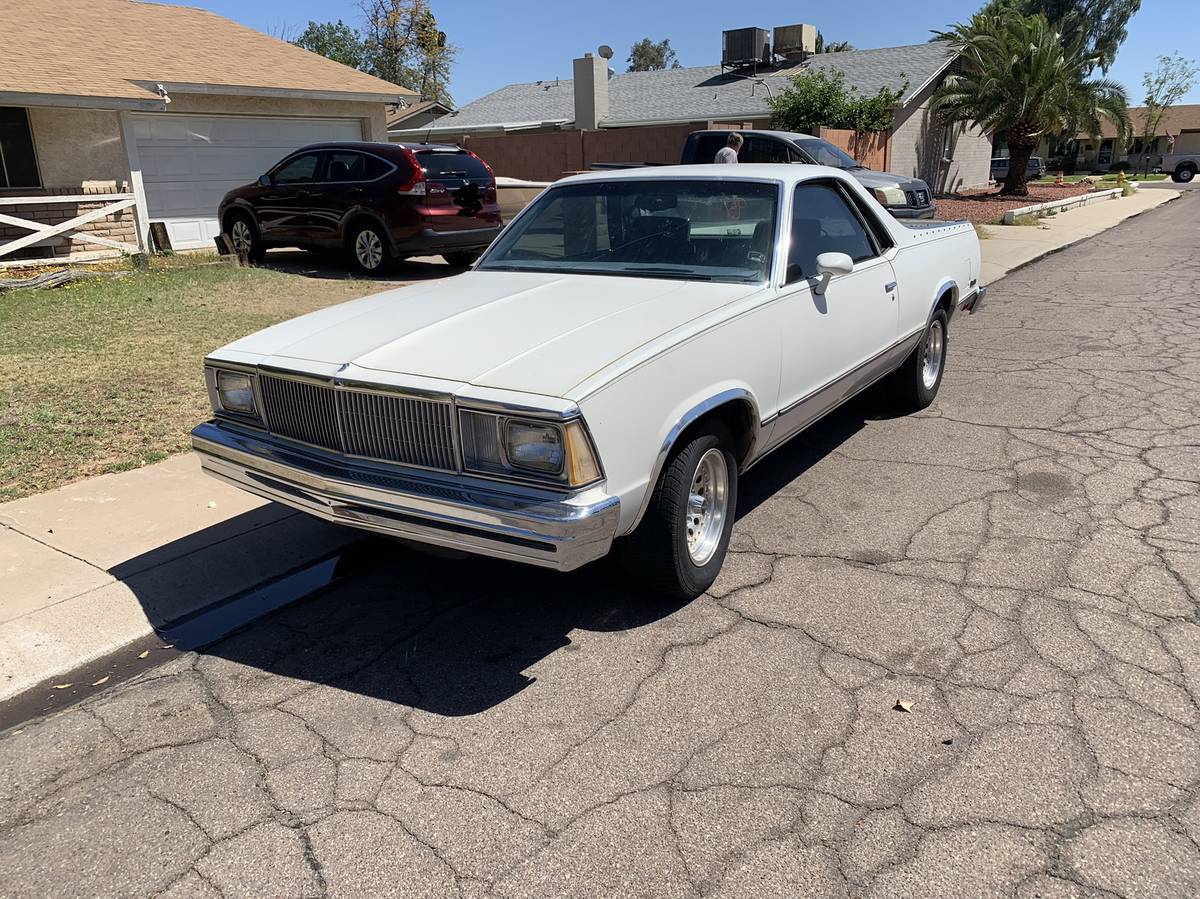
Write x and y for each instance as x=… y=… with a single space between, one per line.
x=1020 y=563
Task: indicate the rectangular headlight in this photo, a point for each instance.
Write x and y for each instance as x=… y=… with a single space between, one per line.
x=528 y=448
x=891 y=196
x=535 y=446
x=235 y=392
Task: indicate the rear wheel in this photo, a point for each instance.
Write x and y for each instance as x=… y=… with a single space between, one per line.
x=679 y=547
x=914 y=385
x=244 y=237
x=1184 y=173
x=462 y=258
x=369 y=248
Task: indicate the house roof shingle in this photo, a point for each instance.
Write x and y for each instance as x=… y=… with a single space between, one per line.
x=1176 y=119
x=698 y=93
x=121 y=49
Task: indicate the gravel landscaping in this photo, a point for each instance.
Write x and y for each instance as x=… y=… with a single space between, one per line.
x=985 y=206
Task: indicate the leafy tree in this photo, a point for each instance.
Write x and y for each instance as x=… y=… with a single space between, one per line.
x=335 y=40
x=817 y=97
x=402 y=44
x=650 y=56
x=1018 y=77
x=1101 y=25
x=1165 y=86
x=832 y=46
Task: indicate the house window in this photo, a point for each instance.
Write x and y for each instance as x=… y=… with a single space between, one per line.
x=18 y=165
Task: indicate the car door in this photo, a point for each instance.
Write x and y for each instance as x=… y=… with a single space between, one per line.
x=833 y=342
x=760 y=148
x=344 y=187
x=284 y=209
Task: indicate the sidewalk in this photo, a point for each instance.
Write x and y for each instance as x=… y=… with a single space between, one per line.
x=1008 y=247
x=96 y=565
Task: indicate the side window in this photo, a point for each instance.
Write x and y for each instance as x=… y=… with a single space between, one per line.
x=707 y=146
x=375 y=168
x=344 y=165
x=762 y=149
x=823 y=223
x=794 y=155
x=297 y=170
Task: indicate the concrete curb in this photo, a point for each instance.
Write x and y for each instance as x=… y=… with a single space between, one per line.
x=1064 y=204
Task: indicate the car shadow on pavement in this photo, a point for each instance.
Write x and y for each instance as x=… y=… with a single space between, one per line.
x=336 y=267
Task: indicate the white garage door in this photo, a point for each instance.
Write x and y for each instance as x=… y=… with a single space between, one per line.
x=189 y=162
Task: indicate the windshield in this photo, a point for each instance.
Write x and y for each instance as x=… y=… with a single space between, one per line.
x=670 y=228
x=825 y=153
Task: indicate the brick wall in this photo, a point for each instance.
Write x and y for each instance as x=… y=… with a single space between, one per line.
x=118 y=226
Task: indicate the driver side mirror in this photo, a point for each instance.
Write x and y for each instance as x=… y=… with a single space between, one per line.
x=830 y=264
x=264 y=180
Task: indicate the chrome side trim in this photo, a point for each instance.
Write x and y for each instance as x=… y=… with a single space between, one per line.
x=694 y=414
x=797 y=416
x=524 y=525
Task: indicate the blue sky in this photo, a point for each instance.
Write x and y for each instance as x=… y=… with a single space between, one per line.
x=524 y=40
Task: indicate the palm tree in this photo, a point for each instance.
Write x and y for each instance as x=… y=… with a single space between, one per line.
x=1015 y=75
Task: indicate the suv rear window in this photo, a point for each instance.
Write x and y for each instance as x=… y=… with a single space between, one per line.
x=440 y=164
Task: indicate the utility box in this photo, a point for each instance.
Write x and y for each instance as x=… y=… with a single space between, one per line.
x=746 y=47
x=796 y=41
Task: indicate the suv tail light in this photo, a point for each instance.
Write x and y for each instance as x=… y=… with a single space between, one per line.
x=416 y=185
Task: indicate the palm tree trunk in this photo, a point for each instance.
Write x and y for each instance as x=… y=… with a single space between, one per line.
x=1020 y=148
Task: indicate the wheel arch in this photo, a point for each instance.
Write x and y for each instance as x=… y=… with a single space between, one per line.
x=362 y=214
x=238 y=209
x=735 y=407
x=944 y=297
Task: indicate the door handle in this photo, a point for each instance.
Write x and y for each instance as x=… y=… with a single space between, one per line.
x=889 y=287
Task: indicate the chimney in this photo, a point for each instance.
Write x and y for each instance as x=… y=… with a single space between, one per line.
x=591 y=91
x=796 y=42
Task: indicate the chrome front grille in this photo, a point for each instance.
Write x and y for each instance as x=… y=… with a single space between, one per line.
x=391 y=428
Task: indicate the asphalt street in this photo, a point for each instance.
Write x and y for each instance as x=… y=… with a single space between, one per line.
x=952 y=654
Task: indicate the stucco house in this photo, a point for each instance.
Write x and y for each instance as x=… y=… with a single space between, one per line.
x=1179 y=122
x=655 y=107
x=115 y=114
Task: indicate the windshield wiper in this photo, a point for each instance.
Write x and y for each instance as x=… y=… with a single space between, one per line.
x=672 y=272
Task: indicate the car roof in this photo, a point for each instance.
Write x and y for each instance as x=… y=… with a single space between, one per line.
x=747 y=171
x=381 y=147
x=784 y=135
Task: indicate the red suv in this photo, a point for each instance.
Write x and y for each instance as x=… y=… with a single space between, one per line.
x=378 y=202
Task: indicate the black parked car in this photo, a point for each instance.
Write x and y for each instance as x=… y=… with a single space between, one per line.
x=378 y=202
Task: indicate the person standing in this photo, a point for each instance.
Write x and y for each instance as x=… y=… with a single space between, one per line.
x=729 y=152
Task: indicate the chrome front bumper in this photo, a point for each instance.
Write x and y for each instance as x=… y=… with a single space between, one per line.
x=536 y=527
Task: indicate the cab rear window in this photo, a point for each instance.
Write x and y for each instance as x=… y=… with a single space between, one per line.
x=451 y=165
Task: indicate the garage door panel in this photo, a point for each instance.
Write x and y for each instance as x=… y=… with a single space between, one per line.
x=189 y=162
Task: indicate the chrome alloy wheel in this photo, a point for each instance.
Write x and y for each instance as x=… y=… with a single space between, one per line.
x=243 y=240
x=368 y=249
x=707 y=506
x=934 y=351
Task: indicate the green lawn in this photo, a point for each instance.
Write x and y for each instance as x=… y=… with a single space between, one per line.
x=103 y=376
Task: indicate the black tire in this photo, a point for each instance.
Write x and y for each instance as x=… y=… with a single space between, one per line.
x=462 y=258
x=657 y=552
x=1183 y=174
x=243 y=234
x=369 y=248
x=911 y=390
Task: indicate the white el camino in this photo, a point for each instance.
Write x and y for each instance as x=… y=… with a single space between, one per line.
x=627 y=348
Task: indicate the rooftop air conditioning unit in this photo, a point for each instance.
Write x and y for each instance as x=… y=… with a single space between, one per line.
x=745 y=46
x=795 y=41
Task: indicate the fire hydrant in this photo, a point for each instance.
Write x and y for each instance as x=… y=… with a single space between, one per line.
x=1120 y=178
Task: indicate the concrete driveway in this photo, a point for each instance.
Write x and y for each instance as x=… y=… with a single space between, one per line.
x=954 y=654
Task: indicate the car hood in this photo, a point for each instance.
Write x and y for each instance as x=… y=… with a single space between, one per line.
x=528 y=332
x=870 y=179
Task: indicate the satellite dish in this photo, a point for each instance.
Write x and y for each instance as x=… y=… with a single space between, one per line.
x=606 y=52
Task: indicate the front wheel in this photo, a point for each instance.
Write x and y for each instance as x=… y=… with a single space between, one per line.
x=244 y=237
x=679 y=547
x=914 y=385
x=1183 y=174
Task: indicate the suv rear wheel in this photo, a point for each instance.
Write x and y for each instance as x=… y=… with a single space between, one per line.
x=462 y=258
x=679 y=547
x=369 y=248
x=1184 y=173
